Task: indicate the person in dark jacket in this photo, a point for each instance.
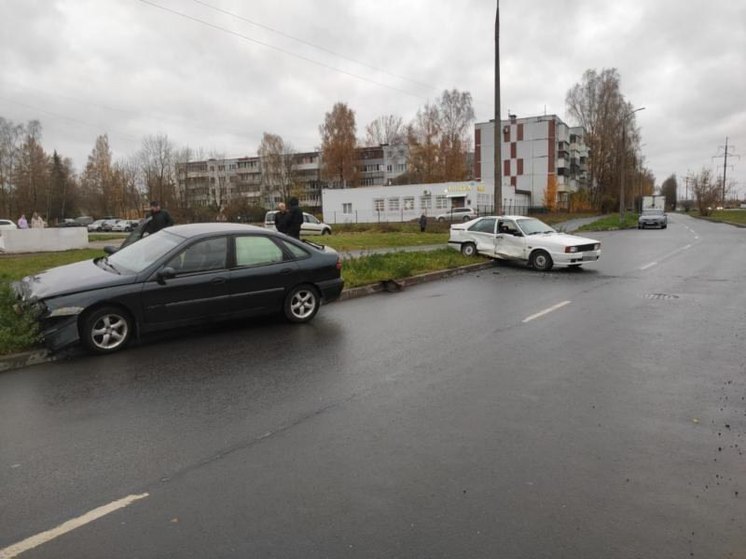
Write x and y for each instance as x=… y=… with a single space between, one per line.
x=159 y=219
x=423 y=222
x=281 y=218
x=295 y=218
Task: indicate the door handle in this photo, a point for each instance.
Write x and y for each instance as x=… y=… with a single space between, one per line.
x=286 y=271
x=217 y=280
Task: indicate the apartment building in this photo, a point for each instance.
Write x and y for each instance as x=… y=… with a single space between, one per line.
x=534 y=150
x=216 y=182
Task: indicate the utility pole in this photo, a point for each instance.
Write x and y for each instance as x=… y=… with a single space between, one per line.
x=498 y=188
x=725 y=165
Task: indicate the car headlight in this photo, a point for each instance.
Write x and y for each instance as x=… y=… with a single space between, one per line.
x=597 y=246
x=66 y=311
x=571 y=249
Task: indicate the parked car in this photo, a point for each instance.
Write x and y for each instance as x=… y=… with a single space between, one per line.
x=95 y=226
x=458 y=214
x=524 y=239
x=124 y=225
x=7 y=224
x=310 y=226
x=652 y=218
x=108 y=224
x=181 y=275
x=69 y=223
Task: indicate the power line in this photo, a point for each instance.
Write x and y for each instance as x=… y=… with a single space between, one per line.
x=313 y=45
x=283 y=51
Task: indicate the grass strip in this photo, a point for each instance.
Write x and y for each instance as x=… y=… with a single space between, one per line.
x=612 y=222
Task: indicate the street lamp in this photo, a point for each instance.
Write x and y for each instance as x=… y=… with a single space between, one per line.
x=621 y=182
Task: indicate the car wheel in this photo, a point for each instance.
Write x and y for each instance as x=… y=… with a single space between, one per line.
x=468 y=249
x=664 y=226
x=466 y=218
x=302 y=304
x=326 y=231
x=106 y=330
x=541 y=260
x=441 y=219
x=639 y=226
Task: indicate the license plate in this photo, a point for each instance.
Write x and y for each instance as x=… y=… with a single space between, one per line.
x=587 y=257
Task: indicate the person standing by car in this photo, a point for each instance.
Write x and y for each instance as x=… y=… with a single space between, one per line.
x=37 y=222
x=294 y=219
x=281 y=218
x=158 y=219
x=22 y=223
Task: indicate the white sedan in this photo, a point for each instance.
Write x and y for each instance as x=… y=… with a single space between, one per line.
x=523 y=239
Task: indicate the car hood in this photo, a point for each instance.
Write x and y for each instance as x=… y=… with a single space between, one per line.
x=68 y=279
x=561 y=239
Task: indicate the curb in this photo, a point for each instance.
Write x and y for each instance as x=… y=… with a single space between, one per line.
x=392 y=286
x=38 y=356
x=25 y=359
x=711 y=220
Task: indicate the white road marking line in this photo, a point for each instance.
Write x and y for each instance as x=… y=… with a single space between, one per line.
x=35 y=541
x=666 y=257
x=546 y=311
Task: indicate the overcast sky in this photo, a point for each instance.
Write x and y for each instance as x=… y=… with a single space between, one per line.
x=216 y=74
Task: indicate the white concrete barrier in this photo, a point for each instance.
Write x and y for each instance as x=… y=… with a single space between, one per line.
x=43 y=240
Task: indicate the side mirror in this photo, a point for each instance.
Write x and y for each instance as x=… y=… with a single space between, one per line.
x=110 y=249
x=166 y=273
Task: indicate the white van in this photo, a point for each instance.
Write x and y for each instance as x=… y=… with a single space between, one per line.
x=311 y=225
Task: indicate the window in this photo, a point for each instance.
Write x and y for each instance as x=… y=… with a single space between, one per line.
x=486 y=225
x=409 y=203
x=426 y=201
x=347 y=208
x=295 y=250
x=401 y=167
x=201 y=257
x=389 y=168
x=378 y=205
x=256 y=251
x=393 y=204
x=441 y=202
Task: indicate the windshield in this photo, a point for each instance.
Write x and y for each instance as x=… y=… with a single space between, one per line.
x=138 y=256
x=652 y=212
x=533 y=226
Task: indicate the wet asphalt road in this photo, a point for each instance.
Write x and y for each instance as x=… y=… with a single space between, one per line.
x=435 y=422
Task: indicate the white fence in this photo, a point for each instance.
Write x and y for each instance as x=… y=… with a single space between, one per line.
x=43 y=240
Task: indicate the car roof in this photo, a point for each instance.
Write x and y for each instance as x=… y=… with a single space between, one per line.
x=197 y=229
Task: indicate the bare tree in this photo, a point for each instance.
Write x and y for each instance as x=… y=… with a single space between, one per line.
x=599 y=106
x=456 y=117
x=388 y=129
x=11 y=136
x=99 y=197
x=31 y=174
x=423 y=138
x=668 y=189
x=157 y=167
x=338 y=146
x=279 y=178
x=706 y=191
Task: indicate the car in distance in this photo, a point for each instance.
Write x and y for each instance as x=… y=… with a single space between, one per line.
x=7 y=224
x=458 y=214
x=523 y=239
x=652 y=218
x=95 y=226
x=181 y=275
x=310 y=225
x=124 y=225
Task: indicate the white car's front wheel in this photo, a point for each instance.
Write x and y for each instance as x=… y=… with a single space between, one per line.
x=541 y=260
